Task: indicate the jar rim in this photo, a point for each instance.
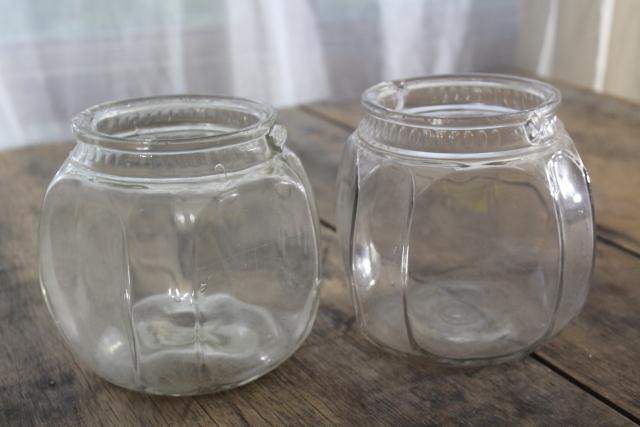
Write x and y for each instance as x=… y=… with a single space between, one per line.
x=260 y=118
x=374 y=99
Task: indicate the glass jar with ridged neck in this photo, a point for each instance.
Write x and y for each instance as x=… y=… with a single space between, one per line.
x=465 y=217
x=175 y=137
x=179 y=244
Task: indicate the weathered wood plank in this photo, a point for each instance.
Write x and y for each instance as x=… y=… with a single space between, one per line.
x=336 y=378
x=601 y=347
x=607 y=134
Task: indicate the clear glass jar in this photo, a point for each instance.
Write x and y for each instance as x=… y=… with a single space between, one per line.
x=465 y=218
x=179 y=244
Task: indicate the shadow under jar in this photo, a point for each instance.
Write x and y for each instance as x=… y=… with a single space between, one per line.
x=179 y=244
x=465 y=218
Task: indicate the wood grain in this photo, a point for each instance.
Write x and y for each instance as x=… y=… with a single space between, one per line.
x=336 y=378
x=600 y=348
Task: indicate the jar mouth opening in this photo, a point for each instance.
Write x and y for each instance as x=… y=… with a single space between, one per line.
x=173 y=123
x=461 y=101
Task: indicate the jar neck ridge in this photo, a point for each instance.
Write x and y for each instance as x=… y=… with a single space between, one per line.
x=476 y=115
x=173 y=164
x=176 y=136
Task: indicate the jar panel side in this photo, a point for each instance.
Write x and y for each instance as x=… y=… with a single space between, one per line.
x=222 y=281
x=294 y=169
x=160 y=256
x=384 y=211
x=570 y=189
x=204 y=285
x=483 y=262
x=347 y=190
x=82 y=271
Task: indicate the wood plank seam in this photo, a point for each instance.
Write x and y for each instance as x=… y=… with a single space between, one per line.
x=601 y=235
x=546 y=362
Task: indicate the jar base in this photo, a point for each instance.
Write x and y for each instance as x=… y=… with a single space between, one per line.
x=231 y=351
x=458 y=323
x=451 y=363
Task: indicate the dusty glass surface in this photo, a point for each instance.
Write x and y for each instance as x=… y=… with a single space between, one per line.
x=465 y=218
x=179 y=244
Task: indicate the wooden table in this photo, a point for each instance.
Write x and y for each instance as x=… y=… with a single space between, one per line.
x=588 y=375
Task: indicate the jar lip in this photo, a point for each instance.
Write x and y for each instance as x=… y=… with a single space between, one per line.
x=372 y=100
x=262 y=118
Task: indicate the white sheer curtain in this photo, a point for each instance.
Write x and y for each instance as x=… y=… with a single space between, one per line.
x=590 y=43
x=57 y=58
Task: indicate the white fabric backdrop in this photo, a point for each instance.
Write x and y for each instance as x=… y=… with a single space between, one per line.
x=59 y=57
